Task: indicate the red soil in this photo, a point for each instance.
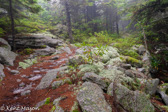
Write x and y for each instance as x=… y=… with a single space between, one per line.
x=7 y=98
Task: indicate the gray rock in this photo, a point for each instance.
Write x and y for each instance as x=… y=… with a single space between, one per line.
x=132 y=101
x=18 y=80
x=49 y=77
x=143 y=70
x=41 y=103
x=56 y=84
x=27 y=92
x=126 y=66
x=91 y=98
x=112 y=74
x=56 y=104
x=55 y=58
x=134 y=73
x=67 y=49
x=14 y=72
x=151 y=86
x=22 y=84
x=6 y=56
x=2 y=75
x=163 y=95
x=99 y=80
x=110 y=89
x=121 y=69
x=76 y=60
x=33 y=40
x=6 y=45
x=44 y=52
x=141 y=50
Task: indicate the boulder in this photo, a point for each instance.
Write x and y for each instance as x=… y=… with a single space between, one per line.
x=132 y=101
x=33 y=40
x=6 y=56
x=134 y=74
x=5 y=44
x=44 y=52
x=2 y=75
x=162 y=90
x=91 y=98
x=141 y=49
x=151 y=86
x=94 y=78
x=112 y=74
x=49 y=77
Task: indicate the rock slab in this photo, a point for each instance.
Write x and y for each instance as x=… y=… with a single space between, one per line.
x=91 y=98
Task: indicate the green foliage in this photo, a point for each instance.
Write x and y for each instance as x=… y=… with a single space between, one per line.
x=53 y=108
x=27 y=63
x=1 y=32
x=75 y=110
x=47 y=101
x=155 y=62
x=103 y=38
x=126 y=43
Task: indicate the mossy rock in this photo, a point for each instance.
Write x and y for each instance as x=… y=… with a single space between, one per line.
x=43 y=46
x=134 y=62
x=131 y=53
x=87 y=68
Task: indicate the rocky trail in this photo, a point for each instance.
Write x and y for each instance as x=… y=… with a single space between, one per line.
x=65 y=79
x=20 y=89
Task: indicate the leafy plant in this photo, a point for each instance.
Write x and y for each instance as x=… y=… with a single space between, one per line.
x=47 y=100
x=155 y=62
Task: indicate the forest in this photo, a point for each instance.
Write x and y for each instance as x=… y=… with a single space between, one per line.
x=84 y=55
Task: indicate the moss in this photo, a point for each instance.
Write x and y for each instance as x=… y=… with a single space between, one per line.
x=131 y=53
x=47 y=100
x=26 y=51
x=134 y=62
x=43 y=46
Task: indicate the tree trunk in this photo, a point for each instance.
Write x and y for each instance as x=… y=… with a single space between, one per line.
x=117 y=28
x=12 y=25
x=68 y=21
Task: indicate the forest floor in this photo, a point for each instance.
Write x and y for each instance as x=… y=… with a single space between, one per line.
x=10 y=90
